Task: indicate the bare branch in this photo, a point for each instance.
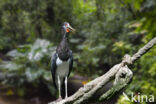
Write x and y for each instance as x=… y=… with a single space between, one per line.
x=144 y=49
x=122 y=78
x=85 y=94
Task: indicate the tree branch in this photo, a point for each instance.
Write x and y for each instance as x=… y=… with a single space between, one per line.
x=144 y=49
x=121 y=72
x=122 y=78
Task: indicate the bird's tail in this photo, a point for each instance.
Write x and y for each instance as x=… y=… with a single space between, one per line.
x=63 y=89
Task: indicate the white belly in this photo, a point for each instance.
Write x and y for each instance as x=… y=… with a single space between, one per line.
x=62 y=68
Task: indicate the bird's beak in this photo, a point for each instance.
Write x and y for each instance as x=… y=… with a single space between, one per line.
x=71 y=29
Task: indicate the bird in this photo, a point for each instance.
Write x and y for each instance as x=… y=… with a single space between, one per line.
x=62 y=62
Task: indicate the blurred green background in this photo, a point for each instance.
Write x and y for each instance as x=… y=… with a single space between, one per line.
x=106 y=31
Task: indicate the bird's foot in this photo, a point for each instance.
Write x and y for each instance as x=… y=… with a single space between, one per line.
x=59 y=99
x=66 y=97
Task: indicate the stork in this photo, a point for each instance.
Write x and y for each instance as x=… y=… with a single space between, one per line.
x=62 y=62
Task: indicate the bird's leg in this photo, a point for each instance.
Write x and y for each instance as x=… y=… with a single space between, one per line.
x=66 y=87
x=59 y=85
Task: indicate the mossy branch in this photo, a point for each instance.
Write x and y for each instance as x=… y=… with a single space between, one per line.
x=123 y=76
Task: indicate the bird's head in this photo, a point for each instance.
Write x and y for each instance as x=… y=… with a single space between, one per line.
x=67 y=28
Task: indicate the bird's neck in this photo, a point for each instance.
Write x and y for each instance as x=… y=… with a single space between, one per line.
x=63 y=49
x=65 y=37
x=64 y=41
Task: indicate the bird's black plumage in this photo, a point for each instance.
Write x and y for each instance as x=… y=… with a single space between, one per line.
x=53 y=68
x=63 y=49
x=70 y=63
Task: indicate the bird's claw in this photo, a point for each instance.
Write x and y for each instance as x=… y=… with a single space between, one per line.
x=59 y=99
x=66 y=97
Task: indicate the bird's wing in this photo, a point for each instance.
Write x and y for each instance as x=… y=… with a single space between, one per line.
x=53 y=68
x=70 y=62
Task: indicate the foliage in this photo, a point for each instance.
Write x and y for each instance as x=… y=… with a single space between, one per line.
x=106 y=30
x=30 y=62
x=145 y=70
